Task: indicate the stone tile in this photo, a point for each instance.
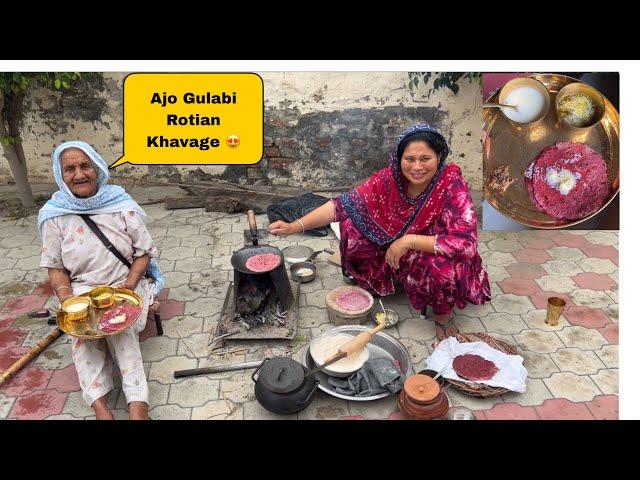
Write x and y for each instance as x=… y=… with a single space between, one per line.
x=416 y=328
x=10 y=355
x=556 y=284
x=577 y=361
x=157 y=348
x=29 y=263
x=604 y=252
x=197 y=241
x=466 y=324
x=217 y=410
x=536 y=319
x=374 y=410
x=162 y=371
x=158 y=395
x=538 y=341
x=536 y=393
x=166 y=266
x=610 y=332
x=324 y=407
x=197 y=345
x=254 y=411
x=496 y=273
x=184 y=325
x=26 y=381
x=495 y=288
x=166 y=242
x=562 y=409
x=459 y=399
x=594 y=281
x=12 y=337
x=614 y=294
x=604 y=407
x=607 y=381
x=609 y=355
x=38 y=405
x=195 y=264
x=569 y=254
x=538 y=365
x=317 y=298
x=569 y=240
x=9 y=277
x=170 y=412
x=540 y=299
x=193 y=391
x=24 y=251
x=476 y=311
x=76 y=406
x=65 y=380
x=572 y=387
x=187 y=293
x=597 y=265
x=178 y=253
x=239 y=388
x=586 y=317
x=309 y=317
x=510 y=411
x=583 y=338
x=504 y=323
x=499 y=259
x=513 y=304
x=16 y=241
x=525 y=270
x=591 y=298
x=561 y=268
x=5 y=405
x=418 y=352
x=504 y=245
x=63 y=416
x=519 y=286
x=55 y=357
x=535 y=242
x=603 y=237
x=24 y=304
x=7 y=263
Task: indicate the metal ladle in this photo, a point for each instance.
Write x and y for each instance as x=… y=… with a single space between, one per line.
x=499 y=105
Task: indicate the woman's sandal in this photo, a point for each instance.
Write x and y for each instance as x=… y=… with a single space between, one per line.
x=444 y=327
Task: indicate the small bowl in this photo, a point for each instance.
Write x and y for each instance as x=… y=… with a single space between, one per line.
x=102 y=297
x=391 y=318
x=303 y=272
x=587 y=90
x=511 y=85
x=76 y=308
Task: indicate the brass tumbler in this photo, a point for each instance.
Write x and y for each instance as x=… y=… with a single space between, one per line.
x=555 y=306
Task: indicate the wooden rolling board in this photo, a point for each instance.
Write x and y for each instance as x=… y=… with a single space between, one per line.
x=335 y=259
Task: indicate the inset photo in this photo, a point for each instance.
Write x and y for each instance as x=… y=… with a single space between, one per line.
x=551 y=154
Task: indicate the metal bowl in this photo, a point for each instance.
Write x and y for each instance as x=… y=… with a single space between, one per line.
x=392 y=318
x=303 y=272
x=296 y=253
x=102 y=297
x=76 y=308
x=381 y=345
x=594 y=95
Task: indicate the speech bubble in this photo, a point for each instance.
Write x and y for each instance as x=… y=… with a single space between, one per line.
x=193 y=119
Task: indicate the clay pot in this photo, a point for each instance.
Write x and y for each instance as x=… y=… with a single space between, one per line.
x=422 y=398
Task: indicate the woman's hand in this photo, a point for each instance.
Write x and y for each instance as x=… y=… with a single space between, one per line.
x=281 y=228
x=128 y=284
x=396 y=250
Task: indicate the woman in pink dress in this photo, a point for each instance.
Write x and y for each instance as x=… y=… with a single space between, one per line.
x=412 y=223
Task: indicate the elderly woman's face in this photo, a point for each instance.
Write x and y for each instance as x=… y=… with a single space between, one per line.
x=419 y=163
x=79 y=173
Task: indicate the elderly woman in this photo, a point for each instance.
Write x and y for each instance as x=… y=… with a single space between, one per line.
x=413 y=223
x=77 y=261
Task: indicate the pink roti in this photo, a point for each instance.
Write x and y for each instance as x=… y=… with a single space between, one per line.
x=352 y=301
x=474 y=367
x=131 y=312
x=263 y=262
x=592 y=186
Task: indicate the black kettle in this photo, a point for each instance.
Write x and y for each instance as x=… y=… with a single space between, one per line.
x=283 y=385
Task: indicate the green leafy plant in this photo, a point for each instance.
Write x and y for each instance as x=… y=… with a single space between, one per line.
x=441 y=79
x=13 y=87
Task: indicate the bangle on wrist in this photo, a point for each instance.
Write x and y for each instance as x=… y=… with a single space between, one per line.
x=301 y=224
x=414 y=241
x=61 y=286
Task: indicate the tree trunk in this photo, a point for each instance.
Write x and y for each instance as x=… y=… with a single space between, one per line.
x=17 y=163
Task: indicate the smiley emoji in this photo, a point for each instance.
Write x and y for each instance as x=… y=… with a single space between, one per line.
x=233 y=141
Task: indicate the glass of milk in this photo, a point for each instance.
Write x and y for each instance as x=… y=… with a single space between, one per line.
x=529 y=96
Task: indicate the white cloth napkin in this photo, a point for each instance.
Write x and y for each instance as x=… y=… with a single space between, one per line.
x=511 y=372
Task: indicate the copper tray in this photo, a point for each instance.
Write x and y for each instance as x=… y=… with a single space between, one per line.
x=506 y=144
x=88 y=327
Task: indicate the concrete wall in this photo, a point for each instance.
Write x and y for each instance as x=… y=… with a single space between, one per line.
x=321 y=128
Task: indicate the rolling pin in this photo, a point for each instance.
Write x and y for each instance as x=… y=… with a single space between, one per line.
x=357 y=343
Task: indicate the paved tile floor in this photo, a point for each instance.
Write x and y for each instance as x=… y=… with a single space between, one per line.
x=573 y=368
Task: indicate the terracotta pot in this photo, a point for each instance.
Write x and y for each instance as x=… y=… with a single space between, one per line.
x=422 y=398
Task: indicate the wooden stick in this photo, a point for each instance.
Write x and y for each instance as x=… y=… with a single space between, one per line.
x=231 y=351
x=185 y=344
x=30 y=355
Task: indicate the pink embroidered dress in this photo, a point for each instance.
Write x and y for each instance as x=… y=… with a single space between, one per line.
x=378 y=212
